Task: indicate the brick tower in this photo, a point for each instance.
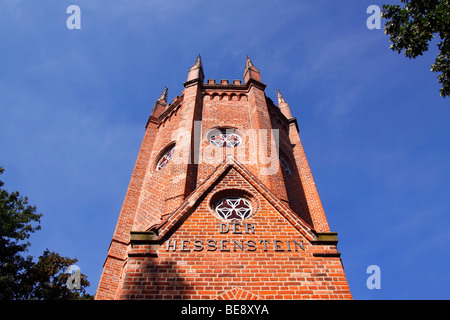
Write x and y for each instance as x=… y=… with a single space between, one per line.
x=222 y=204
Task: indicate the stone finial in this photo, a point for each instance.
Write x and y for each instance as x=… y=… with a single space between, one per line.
x=251 y=72
x=284 y=106
x=248 y=62
x=280 y=98
x=196 y=71
x=163 y=95
x=198 y=62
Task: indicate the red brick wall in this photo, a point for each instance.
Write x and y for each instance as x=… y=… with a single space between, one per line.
x=117 y=253
x=221 y=112
x=314 y=206
x=133 y=271
x=271 y=274
x=155 y=188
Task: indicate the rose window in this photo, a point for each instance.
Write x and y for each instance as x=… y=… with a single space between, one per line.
x=234 y=208
x=165 y=159
x=225 y=139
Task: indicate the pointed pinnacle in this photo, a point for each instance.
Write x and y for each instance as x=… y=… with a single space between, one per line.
x=280 y=97
x=163 y=95
x=198 y=62
x=248 y=62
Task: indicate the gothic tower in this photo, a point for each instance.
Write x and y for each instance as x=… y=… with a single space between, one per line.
x=222 y=204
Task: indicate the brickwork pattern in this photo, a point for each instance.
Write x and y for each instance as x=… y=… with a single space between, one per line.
x=276 y=273
x=175 y=205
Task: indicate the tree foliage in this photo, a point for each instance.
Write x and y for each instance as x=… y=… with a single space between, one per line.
x=21 y=277
x=412 y=27
x=48 y=279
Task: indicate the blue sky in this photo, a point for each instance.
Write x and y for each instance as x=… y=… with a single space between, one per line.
x=74 y=104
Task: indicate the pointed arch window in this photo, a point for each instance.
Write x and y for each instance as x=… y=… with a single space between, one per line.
x=165 y=159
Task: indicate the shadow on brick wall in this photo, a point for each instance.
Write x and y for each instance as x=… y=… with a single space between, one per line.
x=155 y=279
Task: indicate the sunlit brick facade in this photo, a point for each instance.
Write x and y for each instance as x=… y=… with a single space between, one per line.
x=222 y=204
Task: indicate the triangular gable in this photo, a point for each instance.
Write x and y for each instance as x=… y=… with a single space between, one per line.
x=171 y=222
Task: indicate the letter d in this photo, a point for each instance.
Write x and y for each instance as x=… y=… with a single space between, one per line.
x=223 y=228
